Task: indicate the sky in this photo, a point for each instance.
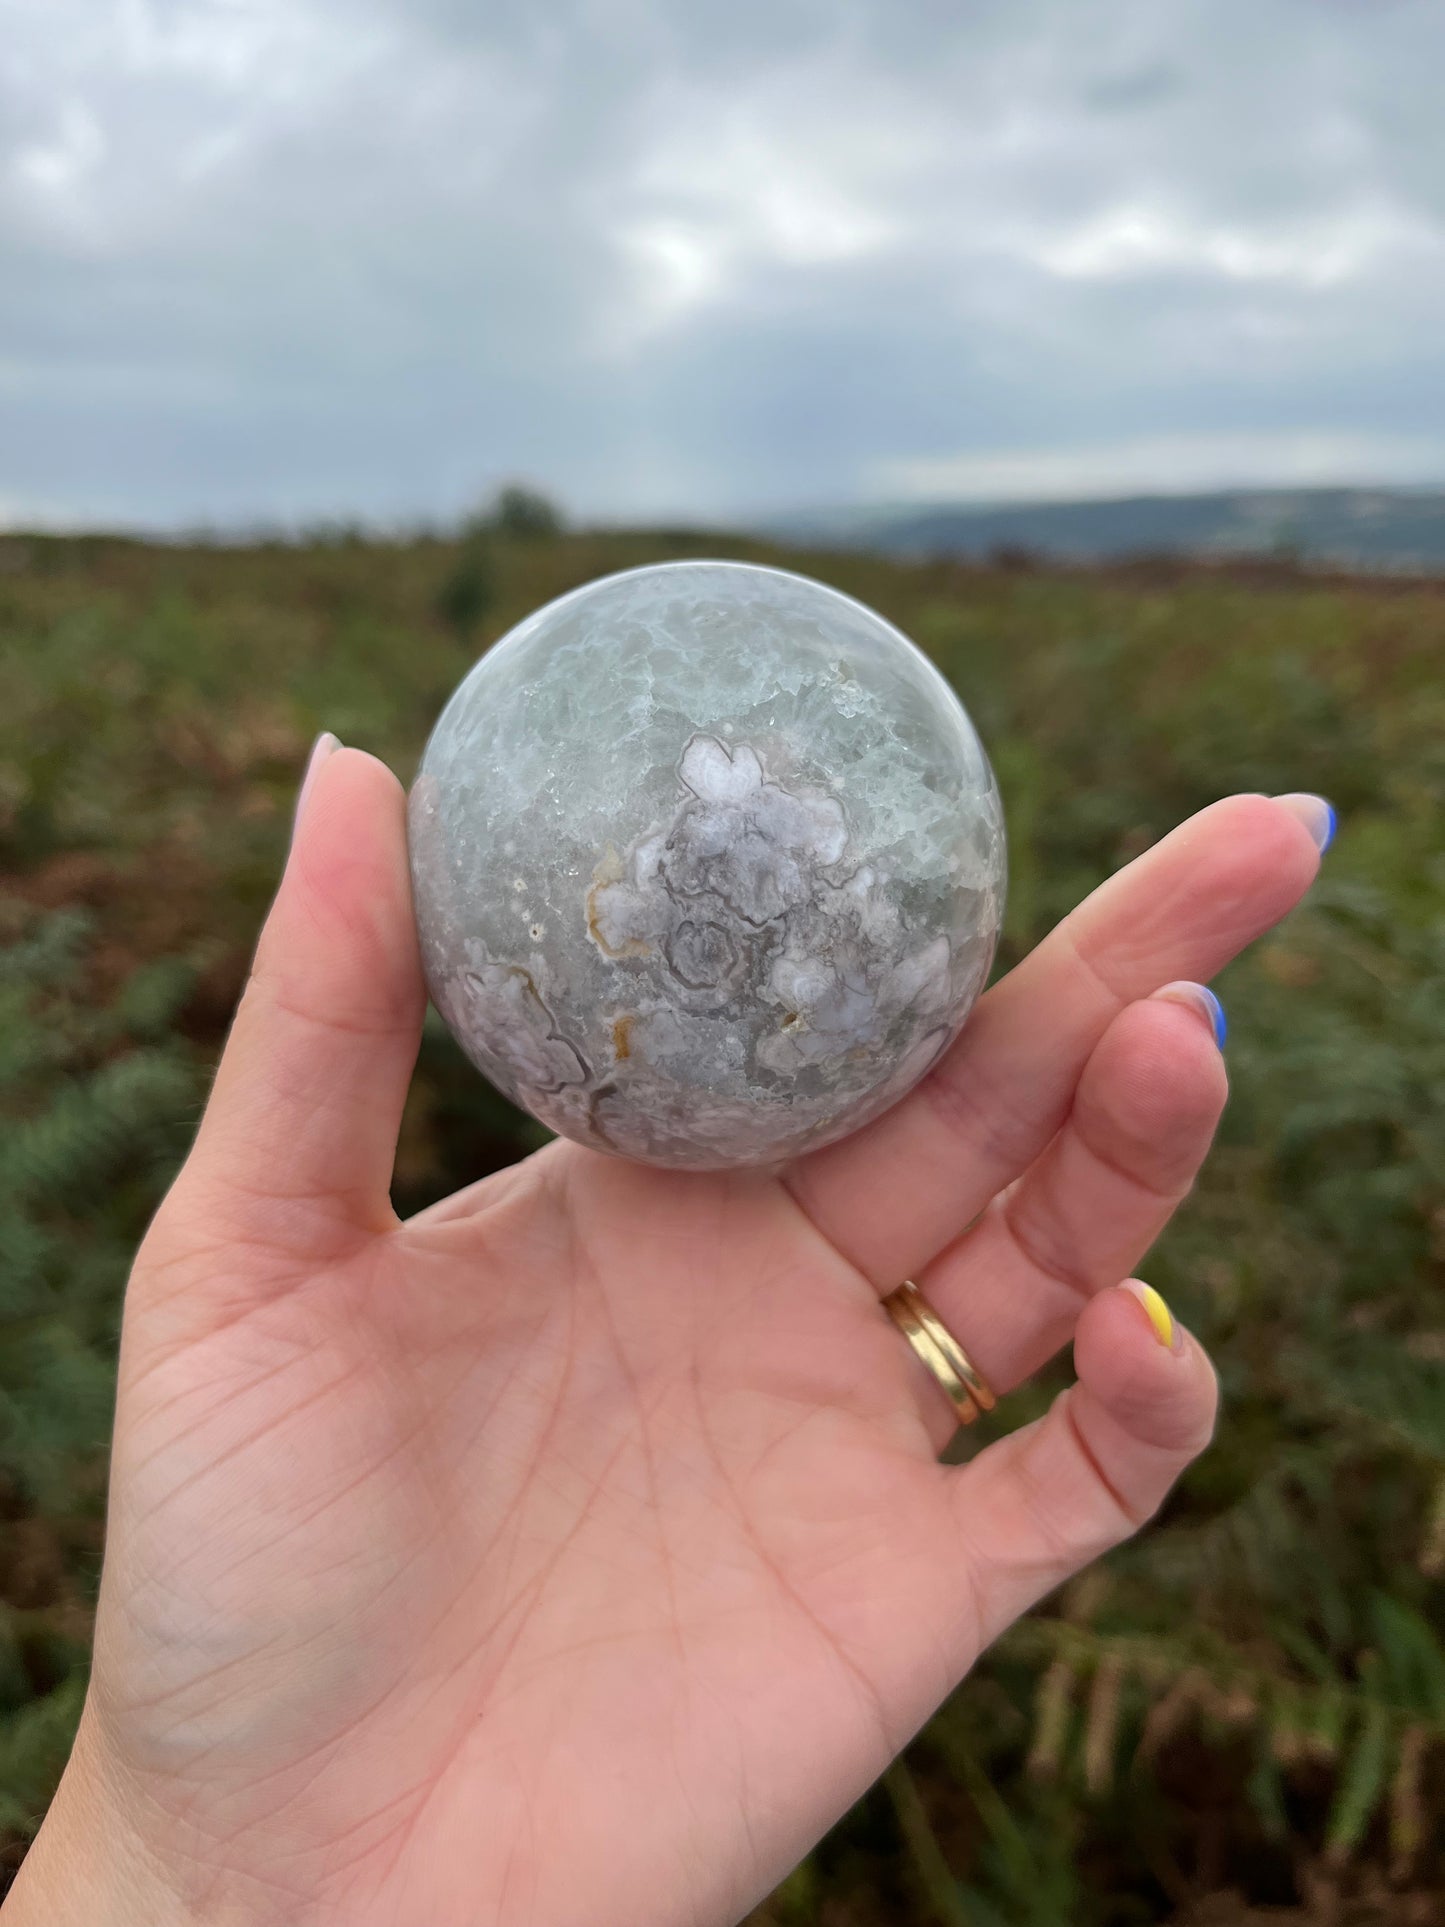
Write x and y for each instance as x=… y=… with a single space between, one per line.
x=282 y=260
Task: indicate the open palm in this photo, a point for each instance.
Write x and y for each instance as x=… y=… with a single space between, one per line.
x=578 y=1550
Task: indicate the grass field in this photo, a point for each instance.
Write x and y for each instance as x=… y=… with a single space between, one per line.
x=1240 y=1719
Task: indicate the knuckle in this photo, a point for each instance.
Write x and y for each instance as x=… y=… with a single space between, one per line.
x=1152 y=1103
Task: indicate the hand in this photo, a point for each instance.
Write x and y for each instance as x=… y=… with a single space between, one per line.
x=577 y=1551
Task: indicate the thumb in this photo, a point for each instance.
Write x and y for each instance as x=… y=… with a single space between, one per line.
x=1036 y=1507
x=298 y=1139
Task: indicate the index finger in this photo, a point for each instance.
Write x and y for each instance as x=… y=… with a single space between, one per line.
x=898 y=1191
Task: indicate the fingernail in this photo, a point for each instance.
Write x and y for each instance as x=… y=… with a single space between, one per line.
x=1316 y=813
x=1161 y=1319
x=1200 y=998
x=326 y=745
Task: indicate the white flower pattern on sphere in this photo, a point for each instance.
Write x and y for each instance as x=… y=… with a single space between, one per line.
x=708 y=864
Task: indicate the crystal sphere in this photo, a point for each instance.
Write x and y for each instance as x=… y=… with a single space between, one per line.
x=708 y=864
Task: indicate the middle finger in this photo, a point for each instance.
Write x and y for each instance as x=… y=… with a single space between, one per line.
x=893 y=1194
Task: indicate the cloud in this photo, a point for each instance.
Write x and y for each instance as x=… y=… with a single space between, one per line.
x=266 y=258
x=1138 y=241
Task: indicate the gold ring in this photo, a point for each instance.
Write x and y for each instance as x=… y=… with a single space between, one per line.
x=965 y=1386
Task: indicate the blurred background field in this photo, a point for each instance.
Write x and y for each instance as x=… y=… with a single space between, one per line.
x=1240 y=1719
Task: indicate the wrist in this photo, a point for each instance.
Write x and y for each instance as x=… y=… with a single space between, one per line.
x=88 y=1866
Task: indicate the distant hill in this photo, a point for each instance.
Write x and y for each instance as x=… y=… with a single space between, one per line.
x=1385 y=529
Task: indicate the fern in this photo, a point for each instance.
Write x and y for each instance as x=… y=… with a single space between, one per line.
x=1250 y=1698
x=1374 y=1731
x=96 y=1098
x=35 y=1742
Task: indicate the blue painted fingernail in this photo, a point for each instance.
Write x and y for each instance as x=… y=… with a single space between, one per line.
x=1216 y=1015
x=1201 y=998
x=1317 y=814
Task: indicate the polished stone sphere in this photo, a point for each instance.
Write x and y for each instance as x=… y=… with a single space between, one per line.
x=708 y=864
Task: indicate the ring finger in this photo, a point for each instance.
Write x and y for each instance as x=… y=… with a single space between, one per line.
x=1083 y=1215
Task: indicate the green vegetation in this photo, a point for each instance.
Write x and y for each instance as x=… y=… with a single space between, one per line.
x=1243 y=1712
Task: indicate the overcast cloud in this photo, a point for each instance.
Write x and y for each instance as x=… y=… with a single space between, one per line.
x=688 y=258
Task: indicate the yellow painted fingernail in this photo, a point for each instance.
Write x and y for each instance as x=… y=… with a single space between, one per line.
x=1157 y=1312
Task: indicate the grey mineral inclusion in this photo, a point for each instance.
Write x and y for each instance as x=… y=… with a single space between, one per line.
x=708 y=864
